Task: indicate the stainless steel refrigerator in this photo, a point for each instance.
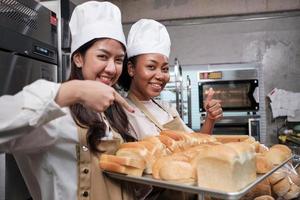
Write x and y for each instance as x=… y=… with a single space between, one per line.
x=28 y=51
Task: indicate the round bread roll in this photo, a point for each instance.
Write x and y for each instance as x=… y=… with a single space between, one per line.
x=263 y=165
x=277 y=176
x=283 y=148
x=276 y=155
x=293 y=192
x=282 y=187
x=261 y=189
x=264 y=197
x=295 y=178
x=298 y=170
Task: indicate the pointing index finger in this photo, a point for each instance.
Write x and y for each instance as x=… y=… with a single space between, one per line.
x=123 y=102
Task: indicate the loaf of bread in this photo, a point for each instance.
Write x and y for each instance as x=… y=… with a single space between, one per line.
x=126 y=161
x=161 y=166
x=137 y=151
x=231 y=138
x=228 y=167
x=211 y=162
x=115 y=167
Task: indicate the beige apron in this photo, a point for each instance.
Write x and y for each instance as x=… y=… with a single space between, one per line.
x=92 y=183
x=175 y=124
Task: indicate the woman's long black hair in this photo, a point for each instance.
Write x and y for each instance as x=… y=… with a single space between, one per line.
x=87 y=118
x=125 y=80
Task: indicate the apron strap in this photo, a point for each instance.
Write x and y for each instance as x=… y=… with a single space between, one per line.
x=167 y=110
x=138 y=104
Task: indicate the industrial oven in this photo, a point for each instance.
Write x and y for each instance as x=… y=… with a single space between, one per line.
x=238 y=91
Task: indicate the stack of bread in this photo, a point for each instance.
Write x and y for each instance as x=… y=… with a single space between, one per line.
x=226 y=163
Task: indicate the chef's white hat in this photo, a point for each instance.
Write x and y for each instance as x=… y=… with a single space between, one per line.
x=148 y=36
x=94 y=19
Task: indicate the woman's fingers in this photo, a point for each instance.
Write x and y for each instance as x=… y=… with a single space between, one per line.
x=123 y=102
x=213 y=105
x=214 y=109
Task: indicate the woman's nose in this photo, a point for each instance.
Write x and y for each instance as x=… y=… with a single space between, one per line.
x=159 y=74
x=111 y=67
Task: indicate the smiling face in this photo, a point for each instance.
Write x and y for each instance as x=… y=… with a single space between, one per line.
x=102 y=62
x=149 y=75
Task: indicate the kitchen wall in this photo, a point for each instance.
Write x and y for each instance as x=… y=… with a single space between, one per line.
x=133 y=10
x=274 y=42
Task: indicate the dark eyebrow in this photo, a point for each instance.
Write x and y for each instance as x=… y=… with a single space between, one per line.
x=154 y=61
x=107 y=52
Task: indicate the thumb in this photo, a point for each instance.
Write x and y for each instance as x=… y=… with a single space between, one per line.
x=123 y=102
x=210 y=94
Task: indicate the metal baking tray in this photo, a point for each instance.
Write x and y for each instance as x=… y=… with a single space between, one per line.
x=148 y=180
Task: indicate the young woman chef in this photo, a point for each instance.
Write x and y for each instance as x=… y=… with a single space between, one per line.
x=147 y=73
x=55 y=131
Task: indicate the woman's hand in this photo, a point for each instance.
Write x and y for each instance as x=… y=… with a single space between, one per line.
x=213 y=107
x=92 y=94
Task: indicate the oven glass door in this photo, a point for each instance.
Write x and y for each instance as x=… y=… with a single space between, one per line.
x=234 y=95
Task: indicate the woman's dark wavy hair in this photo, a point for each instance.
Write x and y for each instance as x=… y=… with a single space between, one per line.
x=125 y=80
x=87 y=118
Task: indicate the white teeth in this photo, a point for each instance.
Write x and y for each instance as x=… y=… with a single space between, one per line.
x=106 y=80
x=158 y=86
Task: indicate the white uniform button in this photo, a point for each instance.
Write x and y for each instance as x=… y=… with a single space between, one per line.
x=84 y=148
x=85 y=170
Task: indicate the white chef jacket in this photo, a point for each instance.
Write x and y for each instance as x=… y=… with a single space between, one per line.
x=42 y=137
x=140 y=126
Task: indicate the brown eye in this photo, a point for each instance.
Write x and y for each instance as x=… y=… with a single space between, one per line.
x=165 y=70
x=151 y=67
x=119 y=61
x=102 y=57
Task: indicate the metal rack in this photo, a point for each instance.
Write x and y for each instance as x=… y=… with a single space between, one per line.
x=178 y=86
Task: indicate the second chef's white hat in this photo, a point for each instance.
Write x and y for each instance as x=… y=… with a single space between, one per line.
x=94 y=19
x=148 y=36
